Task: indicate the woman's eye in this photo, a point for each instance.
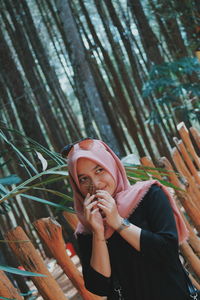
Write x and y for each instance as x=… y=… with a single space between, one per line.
x=83 y=179
x=99 y=170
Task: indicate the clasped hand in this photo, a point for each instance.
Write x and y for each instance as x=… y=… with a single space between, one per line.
x=100 y=208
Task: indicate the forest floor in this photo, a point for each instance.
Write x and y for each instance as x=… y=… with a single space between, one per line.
x=67 y=287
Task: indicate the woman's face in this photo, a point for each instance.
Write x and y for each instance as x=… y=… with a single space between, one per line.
x=93 y=177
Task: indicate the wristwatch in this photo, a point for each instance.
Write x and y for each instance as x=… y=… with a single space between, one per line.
x=124 y=224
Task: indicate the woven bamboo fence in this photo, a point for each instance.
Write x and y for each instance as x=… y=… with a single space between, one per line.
x=187 y=163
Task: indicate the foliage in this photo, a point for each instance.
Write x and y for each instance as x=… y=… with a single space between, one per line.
x=170 y=83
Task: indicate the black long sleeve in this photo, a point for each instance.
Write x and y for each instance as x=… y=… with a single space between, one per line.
x=160 y=241
x=95 y=282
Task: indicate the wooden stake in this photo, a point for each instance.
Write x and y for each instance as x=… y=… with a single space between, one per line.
x=185 y=201
x=71 y=219
x=186 y=139
x=7 y=289
x=147 y=162
x=51 y=233
x=191 y=186
x=196 y=136
x=174 y=180
x=32 y=261
x=193 y=260
x=187 y=159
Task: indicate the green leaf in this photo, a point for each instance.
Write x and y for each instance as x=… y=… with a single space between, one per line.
x=47 y=202
x=4 y=208
x=19 y=153
x=55 y=156
x=63 y=173
x=48 y=180
x=12 y=179
x=28 y=293
x=3 y=190
x=19 y=272
x=64 y=196
x=17 y=191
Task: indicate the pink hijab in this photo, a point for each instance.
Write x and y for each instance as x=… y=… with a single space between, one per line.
x=126 y=196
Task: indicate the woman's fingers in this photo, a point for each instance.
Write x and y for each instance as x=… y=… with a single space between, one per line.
x=94 y=211
x=105 y=209
x=104 y=202
x=88 y=199
x=105 y=195
x=89 y=207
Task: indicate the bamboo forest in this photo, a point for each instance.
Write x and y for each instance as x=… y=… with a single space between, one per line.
x=122 y=71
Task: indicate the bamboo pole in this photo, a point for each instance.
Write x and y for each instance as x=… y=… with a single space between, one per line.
x=71 y=219
x=195 y=242
x=187 y=159
x=7 y=289
x=196 y=136
x=32 y=261
x=192 y=259
x=51 y=233
x=185 y=247
x=147 y=162
x=184 y=196
x=186 y=139
x=191 y=185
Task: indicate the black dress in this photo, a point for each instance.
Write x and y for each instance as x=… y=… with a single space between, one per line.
x=154 y=273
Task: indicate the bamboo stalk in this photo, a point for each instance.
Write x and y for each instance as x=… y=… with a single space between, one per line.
x=192 y=259
x=193 y=239
x=183 y=196
x=71 y=219
x=145 y=161
x=51 y=233
x=186 y=138
x=196 y=136
x=187 y=159
x=32 y=261
x=185 y=247
x=191 y=186
x=7 y=289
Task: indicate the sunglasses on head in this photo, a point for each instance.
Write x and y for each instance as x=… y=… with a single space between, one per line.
x=85 y=144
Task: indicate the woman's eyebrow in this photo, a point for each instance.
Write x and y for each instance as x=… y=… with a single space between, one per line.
x=97 y=166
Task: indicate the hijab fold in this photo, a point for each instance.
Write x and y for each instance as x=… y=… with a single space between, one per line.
x=127 y=196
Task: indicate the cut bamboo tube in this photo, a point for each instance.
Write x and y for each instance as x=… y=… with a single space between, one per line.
x=147 y=162
x=71 y=219
x=7 y=289
x=32 y=261
x=192 y=259
x=193 y=239
x=186 y=139
x=186 y=249
x=191 y=186
x=196 y=136
x=187 y=159
x=51 y=233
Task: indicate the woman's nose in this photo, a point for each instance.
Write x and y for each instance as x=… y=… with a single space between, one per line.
x=97 y=184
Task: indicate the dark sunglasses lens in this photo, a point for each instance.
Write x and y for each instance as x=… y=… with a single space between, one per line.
x=84 y=143
x=65 y=151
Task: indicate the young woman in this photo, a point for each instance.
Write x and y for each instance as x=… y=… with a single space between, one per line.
x=128 y=235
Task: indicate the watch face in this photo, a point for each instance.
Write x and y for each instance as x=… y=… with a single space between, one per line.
x=126 y=222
